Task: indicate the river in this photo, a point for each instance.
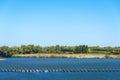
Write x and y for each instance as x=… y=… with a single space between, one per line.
x=59 y=69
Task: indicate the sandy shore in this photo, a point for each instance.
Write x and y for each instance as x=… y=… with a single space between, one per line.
x=2 y=59
x=66 y=55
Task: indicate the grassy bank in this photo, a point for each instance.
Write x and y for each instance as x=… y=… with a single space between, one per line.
x=66 y=56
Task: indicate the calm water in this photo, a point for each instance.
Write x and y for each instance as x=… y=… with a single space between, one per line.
x=60 y=69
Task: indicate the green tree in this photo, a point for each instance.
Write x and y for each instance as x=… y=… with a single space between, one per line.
x=5 y=51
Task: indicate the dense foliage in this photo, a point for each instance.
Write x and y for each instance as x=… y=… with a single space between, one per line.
x=6 y=51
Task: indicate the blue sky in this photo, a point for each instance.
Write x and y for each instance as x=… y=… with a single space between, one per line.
x=63 y=22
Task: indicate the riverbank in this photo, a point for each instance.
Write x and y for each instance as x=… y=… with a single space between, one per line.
x=44 y=55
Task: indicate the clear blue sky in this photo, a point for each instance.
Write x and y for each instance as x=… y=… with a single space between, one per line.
x=63 y=22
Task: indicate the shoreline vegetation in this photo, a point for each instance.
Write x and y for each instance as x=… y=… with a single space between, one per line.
x=45 y=55
x=58 y=51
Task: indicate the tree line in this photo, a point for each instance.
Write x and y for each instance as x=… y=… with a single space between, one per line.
x=6 y=51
